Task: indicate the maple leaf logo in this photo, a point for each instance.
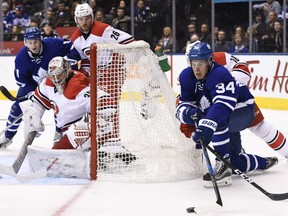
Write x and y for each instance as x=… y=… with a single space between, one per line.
x=40 y=75
x=204 y=103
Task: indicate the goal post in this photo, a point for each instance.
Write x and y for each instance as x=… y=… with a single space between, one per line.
x=140 y=141
x=93 y=112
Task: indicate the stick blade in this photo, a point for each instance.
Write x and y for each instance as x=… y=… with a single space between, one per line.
x=7 y=94
x=7 y=170
x=278 y=197
x=204 y=209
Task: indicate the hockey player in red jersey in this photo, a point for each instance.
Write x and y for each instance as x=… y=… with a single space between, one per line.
x=260 y=127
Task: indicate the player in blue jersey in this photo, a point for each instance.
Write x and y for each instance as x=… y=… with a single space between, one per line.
x=31 y=65
x=223 y=108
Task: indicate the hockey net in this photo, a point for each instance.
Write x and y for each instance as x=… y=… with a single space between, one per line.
x=141 y=142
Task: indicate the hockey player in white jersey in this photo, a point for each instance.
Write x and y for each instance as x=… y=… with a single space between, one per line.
x=90 y=32
x=260 y=127
x=67 y=92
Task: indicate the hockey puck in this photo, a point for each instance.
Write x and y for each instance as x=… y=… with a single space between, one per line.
x=190 y=210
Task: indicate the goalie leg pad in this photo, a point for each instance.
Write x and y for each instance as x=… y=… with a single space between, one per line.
x=60 y=163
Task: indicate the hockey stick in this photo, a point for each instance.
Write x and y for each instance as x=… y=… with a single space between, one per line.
x=273 y=196
x=9 y=96
x=8 y=170
x=12 y=171
x=201 y=210
x=23 y=152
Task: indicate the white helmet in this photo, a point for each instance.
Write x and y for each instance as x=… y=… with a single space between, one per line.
x=82 y=10
x=58 y=72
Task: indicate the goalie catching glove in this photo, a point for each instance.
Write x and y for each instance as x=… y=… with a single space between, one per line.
x=79 y=135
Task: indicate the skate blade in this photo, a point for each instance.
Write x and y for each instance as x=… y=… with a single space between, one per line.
x=221 y=183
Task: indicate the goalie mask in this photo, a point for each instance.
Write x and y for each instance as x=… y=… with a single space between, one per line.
x=58 y=72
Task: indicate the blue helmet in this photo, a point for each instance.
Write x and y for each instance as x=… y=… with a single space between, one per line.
x=32 y=33
x=200 y=51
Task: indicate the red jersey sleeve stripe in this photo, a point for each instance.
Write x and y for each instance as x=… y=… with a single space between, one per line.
x=42 y=99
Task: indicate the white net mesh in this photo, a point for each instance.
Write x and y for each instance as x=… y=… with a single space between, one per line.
x=142 y=140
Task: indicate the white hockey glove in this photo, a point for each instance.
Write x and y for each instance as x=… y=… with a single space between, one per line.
x=32 y=113
x=79 y=135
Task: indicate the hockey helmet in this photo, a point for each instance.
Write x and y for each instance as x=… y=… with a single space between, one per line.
x=188 y=48
x=82 y=10
x=200 y=51
x=32 y=33
x=58 y=72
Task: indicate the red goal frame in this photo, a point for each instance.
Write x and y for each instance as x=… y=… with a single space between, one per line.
x=93 y=111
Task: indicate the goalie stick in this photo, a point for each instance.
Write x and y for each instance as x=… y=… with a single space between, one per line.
x=9 y=96
x=8 y=170
x=23 y=152
x=273 y=196
x=205 y=209
x=13 y=171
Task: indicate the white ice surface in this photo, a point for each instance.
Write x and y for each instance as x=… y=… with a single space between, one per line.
x=69 y=197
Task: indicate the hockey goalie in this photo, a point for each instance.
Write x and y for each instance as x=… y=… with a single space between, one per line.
x=67 y=92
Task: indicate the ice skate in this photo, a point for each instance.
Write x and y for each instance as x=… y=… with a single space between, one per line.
x=222 y=175
x=4 y=142
x=271 y=161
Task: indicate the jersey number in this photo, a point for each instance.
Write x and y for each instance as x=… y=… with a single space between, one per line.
x=221 y=88
x=87 y=94
x=115 y=35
